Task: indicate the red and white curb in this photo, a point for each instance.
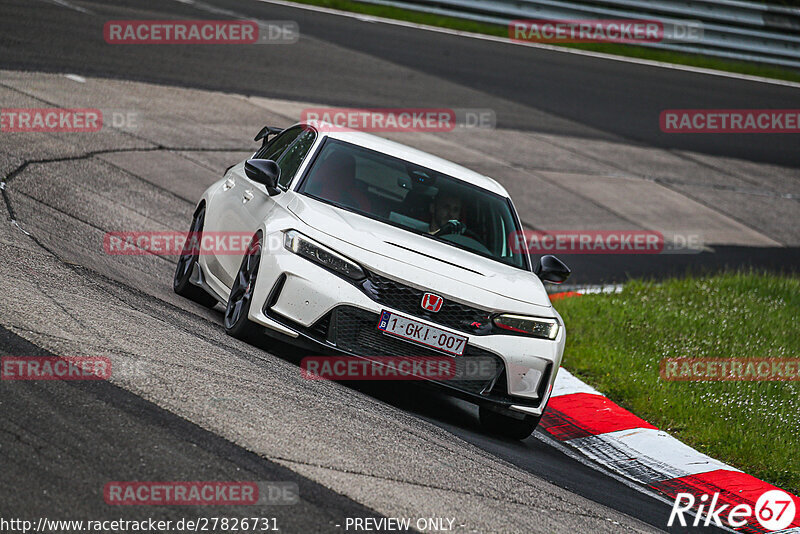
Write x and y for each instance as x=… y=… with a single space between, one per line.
x=576 y=290
x=585 y=420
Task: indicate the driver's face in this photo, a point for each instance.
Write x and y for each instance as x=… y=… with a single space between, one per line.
x=446 y=208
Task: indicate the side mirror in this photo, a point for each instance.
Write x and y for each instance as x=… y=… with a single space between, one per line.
x=264 y=171
x=551 y=269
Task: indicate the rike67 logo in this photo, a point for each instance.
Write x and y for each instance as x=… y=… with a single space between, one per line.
x=774 y=510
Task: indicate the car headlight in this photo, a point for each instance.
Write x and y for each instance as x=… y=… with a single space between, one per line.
x=532 y=326
x=301 y=245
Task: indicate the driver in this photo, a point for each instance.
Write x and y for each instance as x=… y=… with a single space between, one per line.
x=445 y=212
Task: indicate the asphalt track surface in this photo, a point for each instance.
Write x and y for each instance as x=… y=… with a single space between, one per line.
x=63 y=292
x=62 y=439
x=577 y=96
x=342 y=61
x=573 y=95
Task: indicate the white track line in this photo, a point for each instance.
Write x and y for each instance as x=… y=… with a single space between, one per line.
x=599 y=55
x=64 y=3
x=75 y=78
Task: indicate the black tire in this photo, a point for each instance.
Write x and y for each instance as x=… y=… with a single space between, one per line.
x=186 y=263
x=507 y=426
x=236 y=322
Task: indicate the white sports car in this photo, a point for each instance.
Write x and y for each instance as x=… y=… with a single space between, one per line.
x=368 y=248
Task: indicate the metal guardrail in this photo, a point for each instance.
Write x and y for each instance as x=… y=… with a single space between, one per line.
x=731 y=29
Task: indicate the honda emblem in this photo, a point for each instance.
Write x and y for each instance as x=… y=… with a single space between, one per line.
x=431 y=302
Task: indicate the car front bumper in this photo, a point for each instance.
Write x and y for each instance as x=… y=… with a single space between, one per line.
x=330 y=314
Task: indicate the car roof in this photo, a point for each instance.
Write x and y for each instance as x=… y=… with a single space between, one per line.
x=413 y=155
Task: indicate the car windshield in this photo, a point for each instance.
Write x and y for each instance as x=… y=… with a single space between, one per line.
x=415 y=198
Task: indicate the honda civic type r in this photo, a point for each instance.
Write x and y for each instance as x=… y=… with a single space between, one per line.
x=367 y=248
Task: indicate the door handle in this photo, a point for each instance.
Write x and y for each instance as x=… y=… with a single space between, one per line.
x=247 y=196
x=229 y=183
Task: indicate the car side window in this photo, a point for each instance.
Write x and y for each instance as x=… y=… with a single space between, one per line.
x=292 y=158
x=277 y=146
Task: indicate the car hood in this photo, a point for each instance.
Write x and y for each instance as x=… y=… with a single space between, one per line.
x=427 y=254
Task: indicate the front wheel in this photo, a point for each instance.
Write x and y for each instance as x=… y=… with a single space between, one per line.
x=236 y=322
x=186 y=264
x=507 y=426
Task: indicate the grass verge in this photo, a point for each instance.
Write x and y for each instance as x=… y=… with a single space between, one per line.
x=641 y=52
x=616 y=341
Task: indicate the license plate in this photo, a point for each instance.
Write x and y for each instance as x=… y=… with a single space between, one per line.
x=417 y=332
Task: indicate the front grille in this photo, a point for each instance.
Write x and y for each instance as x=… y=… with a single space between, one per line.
x=356 y=330
x=408 y=299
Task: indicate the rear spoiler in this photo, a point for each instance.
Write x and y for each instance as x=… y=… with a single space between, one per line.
x=265 y=132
